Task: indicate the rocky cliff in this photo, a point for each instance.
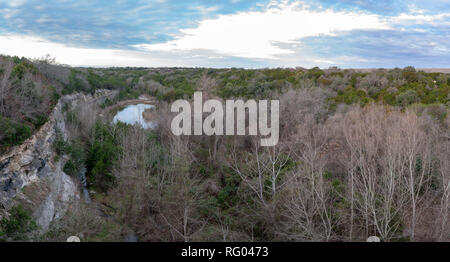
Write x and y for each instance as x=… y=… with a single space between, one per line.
x=31 y=175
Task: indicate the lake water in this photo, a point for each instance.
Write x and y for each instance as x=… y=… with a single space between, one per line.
x=132 y=115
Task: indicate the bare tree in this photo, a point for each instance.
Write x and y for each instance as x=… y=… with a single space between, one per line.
x=376 y=167
x=5 y=83
x=309 y=207
x=259 y=166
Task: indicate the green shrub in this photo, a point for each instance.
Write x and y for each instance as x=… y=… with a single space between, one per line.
x=13 y=133
x=54 y=95
x=172 y=95
x=70 y=168
x=102 y=153
x=75 y=84
x=407 y=98
x=352 y=95
x=21 y=68
x=106 y=103
x=60 y=145
x=39 y=120
x=127 y=93
x=18 y=225
x=409 y=74
x=77 y=158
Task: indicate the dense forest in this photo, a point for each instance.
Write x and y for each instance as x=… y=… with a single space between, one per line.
x=361 y=153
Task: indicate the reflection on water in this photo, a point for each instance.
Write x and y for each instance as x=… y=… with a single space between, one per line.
x=132 y=115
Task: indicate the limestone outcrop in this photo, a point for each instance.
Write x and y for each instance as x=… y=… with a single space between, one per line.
x=32 y=175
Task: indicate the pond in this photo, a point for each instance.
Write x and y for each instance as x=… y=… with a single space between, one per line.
x=134 y=114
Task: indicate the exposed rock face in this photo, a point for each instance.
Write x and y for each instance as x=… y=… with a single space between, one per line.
x=31 y=175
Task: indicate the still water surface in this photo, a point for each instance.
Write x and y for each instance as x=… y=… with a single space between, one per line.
x=132 y=115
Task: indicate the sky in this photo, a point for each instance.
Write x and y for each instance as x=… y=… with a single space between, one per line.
x=230 y=33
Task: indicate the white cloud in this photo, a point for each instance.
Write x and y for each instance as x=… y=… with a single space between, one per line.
x=34 y=47
x=270 y=37
x=255 y=34
x=8 y=13
x=16 y=3
x=419 y=18
x=203 y=9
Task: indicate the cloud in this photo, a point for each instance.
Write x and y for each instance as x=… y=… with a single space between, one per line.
x=257 y=34
x=126 y=22
x=385 y=48
x=419 y=18
x=15 y=3
x=34 y=47
x=204 y=10
x=253 y=33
